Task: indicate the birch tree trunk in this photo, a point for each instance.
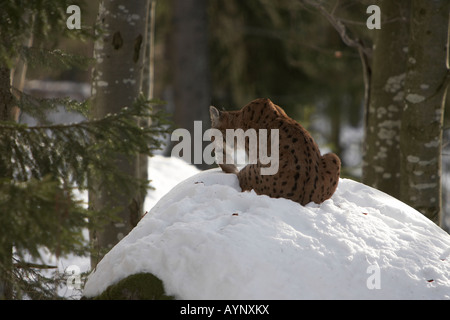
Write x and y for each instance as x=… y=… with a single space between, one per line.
x=147 y=83
x=381 y=153
x=116 y=83
x=148 y=76
x=422 y=119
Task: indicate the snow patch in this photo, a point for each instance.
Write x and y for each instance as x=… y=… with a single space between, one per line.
x=432 y=144
x=423 y=186
x=101 y=83
x=412 y=159
x=395 y=83
x=414 y=98
x=130 y=81
x=165 y=173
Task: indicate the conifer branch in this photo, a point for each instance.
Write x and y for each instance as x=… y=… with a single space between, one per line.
x=23 y=265
x=73 y=151
x=54 y=58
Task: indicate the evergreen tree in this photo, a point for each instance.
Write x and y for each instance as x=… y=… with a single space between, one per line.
x=41 y=166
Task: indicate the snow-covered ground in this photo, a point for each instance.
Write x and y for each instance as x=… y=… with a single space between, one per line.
x=165 y=173
x=205 y=239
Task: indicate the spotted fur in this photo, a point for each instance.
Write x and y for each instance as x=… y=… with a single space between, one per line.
x=304 y=175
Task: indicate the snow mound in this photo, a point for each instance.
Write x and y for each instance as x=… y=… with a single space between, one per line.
x=206 y=239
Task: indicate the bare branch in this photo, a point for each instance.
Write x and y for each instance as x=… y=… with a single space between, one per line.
x=365 y=53
x=339 y=27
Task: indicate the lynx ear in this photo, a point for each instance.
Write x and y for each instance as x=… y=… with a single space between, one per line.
x=215 y=116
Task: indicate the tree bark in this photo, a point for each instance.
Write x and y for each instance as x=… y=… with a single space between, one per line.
x=116 y=83
x=147 y=83
x=191 y=73
x=381 y=160
x=422 y=120
x=6 y=114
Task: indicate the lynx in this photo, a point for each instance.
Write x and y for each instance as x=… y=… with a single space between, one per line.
x=304 y=175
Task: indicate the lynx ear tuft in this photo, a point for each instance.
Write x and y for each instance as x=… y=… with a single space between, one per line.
x=215 y=116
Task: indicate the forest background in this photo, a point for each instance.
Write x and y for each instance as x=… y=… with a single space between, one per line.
x=315 y=59
x=346 y=83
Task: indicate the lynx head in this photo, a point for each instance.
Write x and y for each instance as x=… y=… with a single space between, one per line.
x=215 y=116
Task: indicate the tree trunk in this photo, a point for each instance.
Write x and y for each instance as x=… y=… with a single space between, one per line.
x=191 y=74
x=6 y=114
x=116 y=83
x=381 y=160
x=147 y=83
x=422 y=119
x=19 y=71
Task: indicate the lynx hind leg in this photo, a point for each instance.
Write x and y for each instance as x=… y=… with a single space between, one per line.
x=248 y=177
x=331 y=169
